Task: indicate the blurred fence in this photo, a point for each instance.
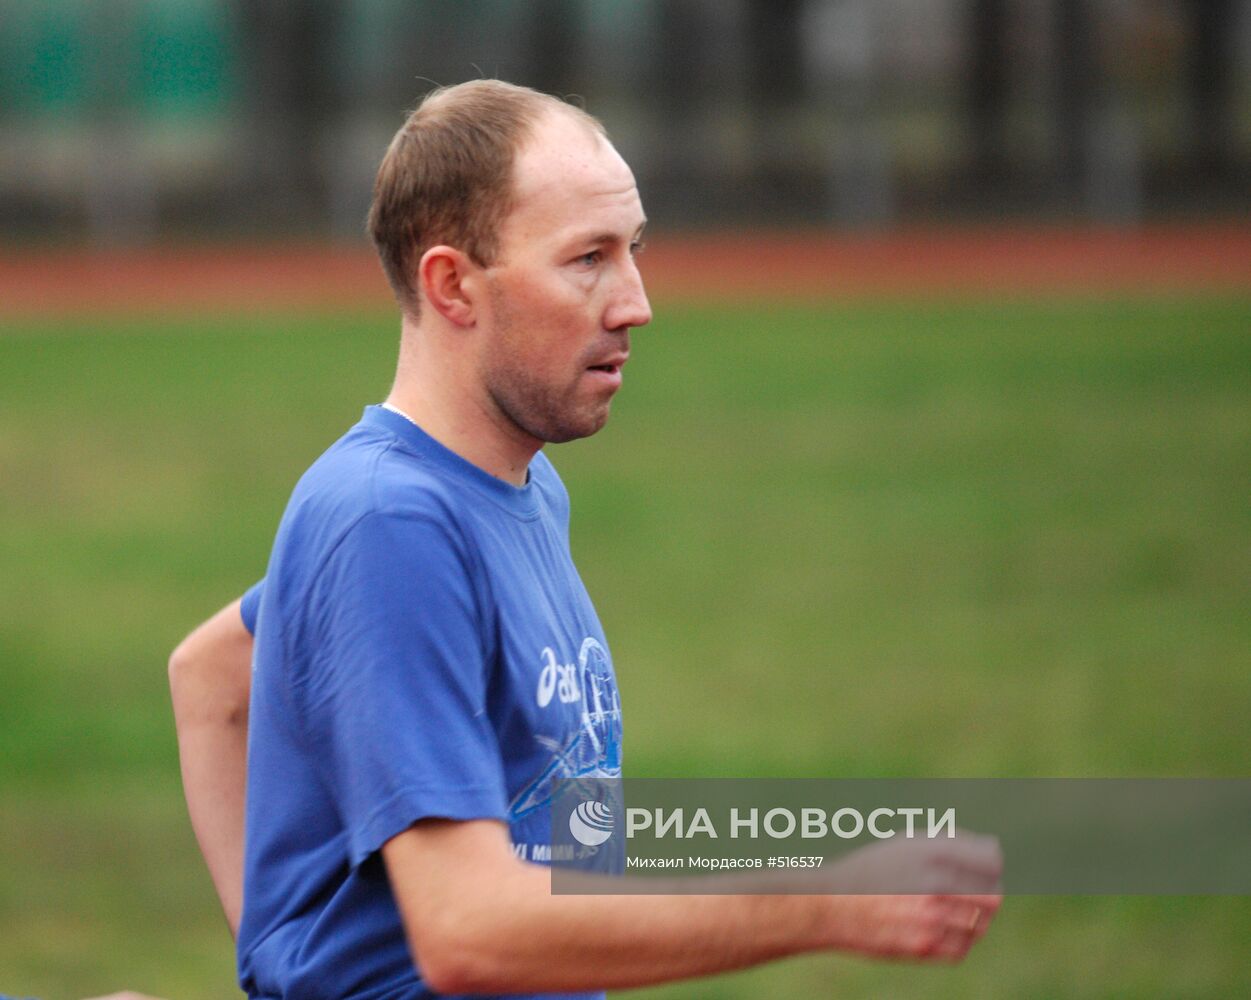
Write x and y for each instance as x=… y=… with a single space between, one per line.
x=131 y=120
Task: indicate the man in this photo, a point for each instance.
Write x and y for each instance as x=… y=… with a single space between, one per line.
x=410 y=710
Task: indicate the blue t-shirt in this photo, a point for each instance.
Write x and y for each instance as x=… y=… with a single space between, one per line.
x=424 y=648
x=250 y=603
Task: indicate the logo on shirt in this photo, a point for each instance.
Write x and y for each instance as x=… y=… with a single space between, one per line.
x=560 y=679
x=592 y=745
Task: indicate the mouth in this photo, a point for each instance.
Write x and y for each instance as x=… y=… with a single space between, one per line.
x=606 y=376
x=611 y=365
x=608 y=372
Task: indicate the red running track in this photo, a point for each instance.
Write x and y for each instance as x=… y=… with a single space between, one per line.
x=919 y=263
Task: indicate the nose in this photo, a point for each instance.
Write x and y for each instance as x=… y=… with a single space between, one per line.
x=629 y=306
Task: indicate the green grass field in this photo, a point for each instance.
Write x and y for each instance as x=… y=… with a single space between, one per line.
x=883 y=539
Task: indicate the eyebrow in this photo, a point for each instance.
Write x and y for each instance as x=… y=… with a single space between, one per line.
x=599 y=239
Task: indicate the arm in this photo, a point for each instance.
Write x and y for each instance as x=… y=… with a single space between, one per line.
x=126 y=995
x=210 y=676
x=479 y=920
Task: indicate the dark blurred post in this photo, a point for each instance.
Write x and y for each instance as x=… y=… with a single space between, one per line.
x=362 y=82
x=678 y=57
x=1210 y=87
x=1100 y=142
x=555 y=28
x=1074 y=85
x=988 y=89
x=119 y=195
x=775 y=94
x=775 y=56
x=842 y=44
x=288 y=90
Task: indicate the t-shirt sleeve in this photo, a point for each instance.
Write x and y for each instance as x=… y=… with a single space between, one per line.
x=394 y=698
x=250 y=604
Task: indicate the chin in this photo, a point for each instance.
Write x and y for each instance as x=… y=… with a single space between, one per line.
x=563 y=432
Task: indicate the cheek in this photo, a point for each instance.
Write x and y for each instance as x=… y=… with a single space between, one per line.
x=553 y=330
x=545 y=324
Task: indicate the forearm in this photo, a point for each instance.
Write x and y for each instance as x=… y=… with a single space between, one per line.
x=617 y=941
x=210 y=675
x=481 y=921
x=523 y=938
x=214 y=773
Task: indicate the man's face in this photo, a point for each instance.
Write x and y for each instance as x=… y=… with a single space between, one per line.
x=564 y=291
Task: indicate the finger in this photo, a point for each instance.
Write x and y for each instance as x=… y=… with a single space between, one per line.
x=972 y=852
x=983 y=925
x=966 y=925
x=989 y=902
x=976 y=918
x=953 y=943
x=955 y=946
x=952 y=880
x=125 y=995
x=961 y=911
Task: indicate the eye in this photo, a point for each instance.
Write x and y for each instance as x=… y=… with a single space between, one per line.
x=589 y=259
x=637 y=247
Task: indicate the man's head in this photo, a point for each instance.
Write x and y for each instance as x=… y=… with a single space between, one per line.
x=447 y=177
x=518 y=250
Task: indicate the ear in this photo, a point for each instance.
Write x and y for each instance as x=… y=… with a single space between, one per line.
x=445 y=277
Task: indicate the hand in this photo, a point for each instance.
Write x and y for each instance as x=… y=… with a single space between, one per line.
x=934 y=926
x=125 y=995
x=955 y=894
x=967 y=863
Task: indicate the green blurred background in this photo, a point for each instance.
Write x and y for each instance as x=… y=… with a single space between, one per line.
x=983 y=539
x=894 y=536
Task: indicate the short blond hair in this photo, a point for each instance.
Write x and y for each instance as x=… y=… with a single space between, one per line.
x=447 y=177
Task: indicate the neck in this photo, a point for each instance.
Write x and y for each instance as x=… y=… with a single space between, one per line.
x=437 y=388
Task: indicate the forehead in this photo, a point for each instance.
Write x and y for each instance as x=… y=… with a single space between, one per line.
x=567 y=176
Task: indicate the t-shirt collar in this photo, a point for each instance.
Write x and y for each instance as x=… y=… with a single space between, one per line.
x=520 y=500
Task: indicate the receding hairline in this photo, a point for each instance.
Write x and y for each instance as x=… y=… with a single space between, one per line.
x=447 y=98
x=450 y=177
